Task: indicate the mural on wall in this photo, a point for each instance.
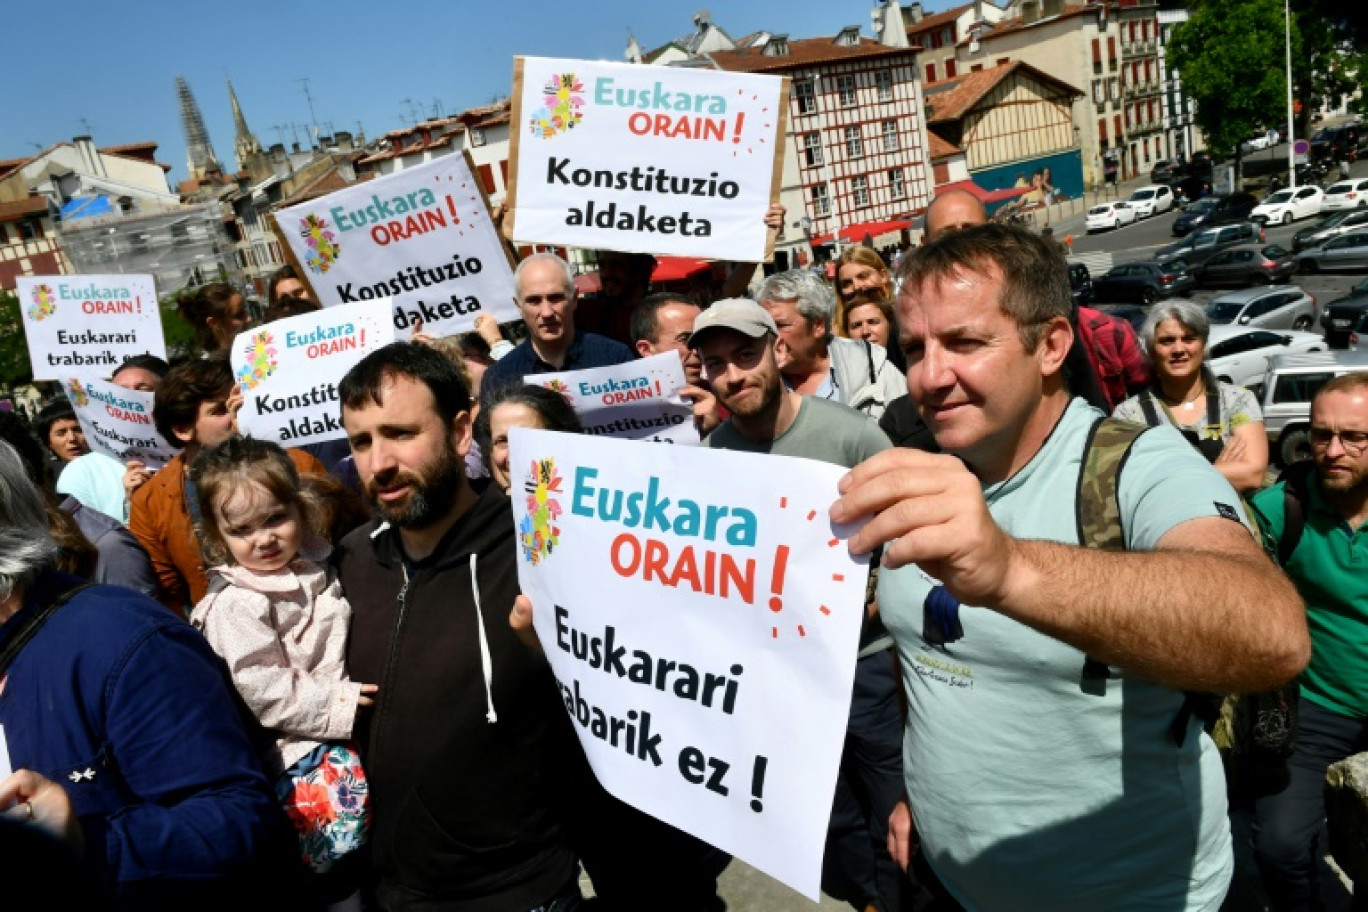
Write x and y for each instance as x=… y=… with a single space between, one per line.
x=1045 y=180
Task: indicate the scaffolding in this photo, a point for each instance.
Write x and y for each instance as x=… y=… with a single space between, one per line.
x=181 y=246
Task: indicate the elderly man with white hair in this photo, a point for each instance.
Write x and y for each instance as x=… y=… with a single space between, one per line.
x=118 y=709
x=813 y=360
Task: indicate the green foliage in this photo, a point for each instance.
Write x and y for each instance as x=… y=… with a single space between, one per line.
x=180 y=337
x=14 y=356
x=1232 y=59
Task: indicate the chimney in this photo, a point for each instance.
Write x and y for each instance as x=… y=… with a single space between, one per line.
x=914 y=12
x=90 y=159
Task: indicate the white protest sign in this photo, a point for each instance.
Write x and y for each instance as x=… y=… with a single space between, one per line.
x=421 y=236
x=87 y=325
x=118 y=422
x=288 y=371
x=649 y=159
x=701 y=615
x=5 y=769
x=638 y=400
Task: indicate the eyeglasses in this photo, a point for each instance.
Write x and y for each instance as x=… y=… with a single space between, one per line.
x=1353 y=441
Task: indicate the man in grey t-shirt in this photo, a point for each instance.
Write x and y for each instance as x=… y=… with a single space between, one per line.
x=736 y=340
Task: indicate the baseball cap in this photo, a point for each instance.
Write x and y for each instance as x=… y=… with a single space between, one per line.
x=740 y=314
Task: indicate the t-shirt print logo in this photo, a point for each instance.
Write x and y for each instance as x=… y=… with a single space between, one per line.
x=1227 y=511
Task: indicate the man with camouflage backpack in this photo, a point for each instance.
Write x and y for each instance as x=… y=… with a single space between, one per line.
x=1313 y=522
x=1043 y=678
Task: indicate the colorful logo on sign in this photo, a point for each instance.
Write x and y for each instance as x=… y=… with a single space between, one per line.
x=44 y=303
x=560 y=386
x=260 y=353
x=564 y=106
x=76 y=393
x=538 y=531
x=323 y=247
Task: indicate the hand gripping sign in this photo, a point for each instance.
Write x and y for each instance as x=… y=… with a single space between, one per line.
x=638 y=400
x=288 y=371
x=421 y=236
x=649 y=159
x=87 y=325
x=702 y=616
x=118 y=421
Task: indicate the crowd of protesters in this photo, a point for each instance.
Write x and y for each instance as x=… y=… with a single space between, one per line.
x=305 y=678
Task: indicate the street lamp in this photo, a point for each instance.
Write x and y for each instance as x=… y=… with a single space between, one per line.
x=1291 y=136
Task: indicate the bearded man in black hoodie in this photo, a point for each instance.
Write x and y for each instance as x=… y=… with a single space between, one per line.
x=468 y=751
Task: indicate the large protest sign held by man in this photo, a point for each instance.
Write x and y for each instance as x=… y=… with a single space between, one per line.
x=118 y=421
x=288 y=371
x=421 y=236
x=645 y=159
x=639 y=400
x=701 y=615
x=87 y=325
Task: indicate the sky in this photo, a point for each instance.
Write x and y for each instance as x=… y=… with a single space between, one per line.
x=109 y=69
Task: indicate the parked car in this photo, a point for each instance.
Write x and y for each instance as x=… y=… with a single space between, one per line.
x=1164 y=172
x=1347 y=194
x=1358 y=338
x=1290 y=383
x=1287 y=205
x=1246 y=264
x=1234 y=207
x=1131 y=313
x=1331 y=226
x=1109 y=215
x=1342 y=316
x=1240 y=354
x=1151 y=200
x=1143 y=282
x=1264 y=139
x=1199 y=247
x=1080 y=283
x=1337 y=143
x=1348 y=251
x=1274 y=307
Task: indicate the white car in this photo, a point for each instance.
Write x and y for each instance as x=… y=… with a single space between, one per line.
x=1151 y=200
x=1239 y=354
x=1266 y=140
x=1286 y=205
x=1347 y=194
x=1109 y=215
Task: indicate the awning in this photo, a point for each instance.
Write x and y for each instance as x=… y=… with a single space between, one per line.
x=854 y=234
x=677 y=269
x=86 y=206
x=985 y=196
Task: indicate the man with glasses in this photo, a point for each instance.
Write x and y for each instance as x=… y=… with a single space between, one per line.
x=546 y=296
x=1326 y=563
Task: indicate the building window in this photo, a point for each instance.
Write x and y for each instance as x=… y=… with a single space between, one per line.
x=29 y=231
x=821 y=205
x=812 y=149
x=949 y=35
x=883 y=82
x=1111 y=53
x=807 y=100
x=935 y=40
x=845 y=88
x=1097 y=56
x=859 y=187
x=1099 y=93
x=1102 y=130
x=477 y=137
x=4 y=239
x=854 y=147
x=950 y=69
x=895 y=184
x=930 y=72
x=890 y=136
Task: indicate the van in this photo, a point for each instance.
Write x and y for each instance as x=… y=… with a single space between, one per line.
x=1290 y=384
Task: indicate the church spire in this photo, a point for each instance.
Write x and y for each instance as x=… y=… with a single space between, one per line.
x=245 y=145
x=199 y=153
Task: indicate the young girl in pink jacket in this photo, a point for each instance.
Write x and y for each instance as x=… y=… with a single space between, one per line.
x=276 y=614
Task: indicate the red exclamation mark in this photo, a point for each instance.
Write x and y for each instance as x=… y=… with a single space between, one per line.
x=777 y=577
x=758 y=784
x=659 y=392
x=138 y=299
x=451 y=204
x=740 y=119
x=363 y=337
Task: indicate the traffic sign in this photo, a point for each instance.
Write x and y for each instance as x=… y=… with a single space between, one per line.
x=1301 y=147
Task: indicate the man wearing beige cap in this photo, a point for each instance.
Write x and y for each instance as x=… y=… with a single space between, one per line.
x=735 y=339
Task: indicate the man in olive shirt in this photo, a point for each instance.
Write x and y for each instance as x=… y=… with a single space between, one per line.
x=736 y=339
x=1327 y=567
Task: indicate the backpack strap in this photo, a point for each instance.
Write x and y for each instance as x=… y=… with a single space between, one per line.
x=1098 y=509
x=29 y=628
x=1147 y=406
x=1296 y=495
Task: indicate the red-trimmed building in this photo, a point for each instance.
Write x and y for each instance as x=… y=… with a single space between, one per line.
x=28 y=241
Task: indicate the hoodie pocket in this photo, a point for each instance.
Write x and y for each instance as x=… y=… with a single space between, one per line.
x=428 y=857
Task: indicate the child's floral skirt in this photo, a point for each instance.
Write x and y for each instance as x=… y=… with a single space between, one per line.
x=326 y=797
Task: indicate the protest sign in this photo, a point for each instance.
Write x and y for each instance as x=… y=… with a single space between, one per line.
x=701 y=614
x=118 y=421
x=647 y=159
x=421 y=236
x=87 y=325
x=638 y=400
x=288 y=371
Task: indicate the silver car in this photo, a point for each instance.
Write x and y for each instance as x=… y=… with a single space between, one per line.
x=1348 y=251
x=1274 y=307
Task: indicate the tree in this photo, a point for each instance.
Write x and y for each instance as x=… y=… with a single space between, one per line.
x=14 y=356
x=1230 y=55
x=1331 y=61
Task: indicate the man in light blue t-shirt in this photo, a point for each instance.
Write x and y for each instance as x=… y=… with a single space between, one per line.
x=1030 y=786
